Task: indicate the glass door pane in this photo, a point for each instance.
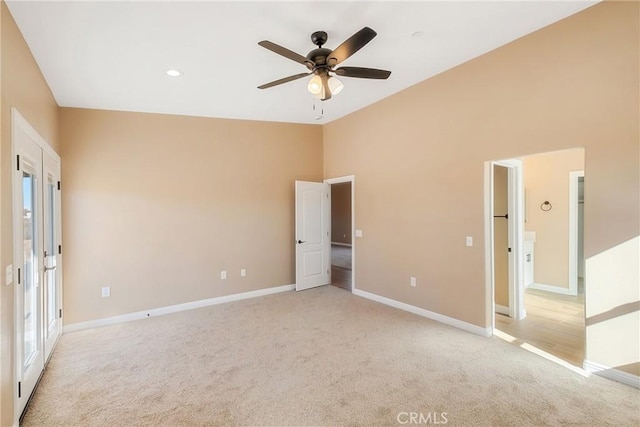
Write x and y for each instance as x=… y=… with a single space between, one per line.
x=30 y=268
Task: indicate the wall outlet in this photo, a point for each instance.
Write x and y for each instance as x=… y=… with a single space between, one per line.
x=469 y=241
x=223 y=274
x=243 y=272
x=106 y=291
x=413 y=282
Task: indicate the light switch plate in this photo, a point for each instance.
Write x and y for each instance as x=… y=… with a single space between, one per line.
x=243 y=272
x=8 y=274
x=469 y=241
x=106 y=291
x=223 y=275
x=358 y=233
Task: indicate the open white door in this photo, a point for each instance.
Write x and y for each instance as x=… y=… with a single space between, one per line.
x=52 y=256
x=313 y=245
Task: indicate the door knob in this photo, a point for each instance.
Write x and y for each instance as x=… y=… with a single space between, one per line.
x=301 y=242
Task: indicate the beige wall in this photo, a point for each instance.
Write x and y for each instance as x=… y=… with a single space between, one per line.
x=501 y=236
x=571 y=84
x=546 y=178
x=341 y=213
x=23 y=87
x=155 y=206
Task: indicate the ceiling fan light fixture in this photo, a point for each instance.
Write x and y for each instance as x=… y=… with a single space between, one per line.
x=335 y=85
x=315 y=85
x=321 y=63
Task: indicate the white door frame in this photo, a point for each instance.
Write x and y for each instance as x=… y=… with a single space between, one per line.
x=516 y=239
x=573 y=230
x=352 y=180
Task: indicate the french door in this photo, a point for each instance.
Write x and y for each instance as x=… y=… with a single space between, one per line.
x=37 y=258
x=52 y=274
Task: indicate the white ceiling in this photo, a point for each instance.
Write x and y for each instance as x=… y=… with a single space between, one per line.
x=114 y=55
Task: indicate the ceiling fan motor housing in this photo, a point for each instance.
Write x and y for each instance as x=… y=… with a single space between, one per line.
x=319 y=56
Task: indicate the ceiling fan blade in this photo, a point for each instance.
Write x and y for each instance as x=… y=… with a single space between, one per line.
x=362 y=73
x=351 y=46
x=325 y=85
x=283 y=51
x=283 y=80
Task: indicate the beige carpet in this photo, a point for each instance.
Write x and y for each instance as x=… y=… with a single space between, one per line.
x=318 y=357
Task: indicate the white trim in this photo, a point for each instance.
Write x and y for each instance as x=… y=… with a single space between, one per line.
x=573 y=231
x=612 y=373
x=502 y=309
x=341 y=244
x=19 y=120
x=352 y=180
x=175 y=308
x=478 y=330
x=489 y=274
x=549 y=288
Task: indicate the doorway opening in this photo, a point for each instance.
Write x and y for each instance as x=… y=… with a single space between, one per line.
x=342 y=232
x=552 y=285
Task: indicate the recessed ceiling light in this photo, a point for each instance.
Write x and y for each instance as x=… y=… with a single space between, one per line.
x=174 y=73
x=417 y=34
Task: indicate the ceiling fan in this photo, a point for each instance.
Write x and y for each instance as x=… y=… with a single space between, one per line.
x=321 y=62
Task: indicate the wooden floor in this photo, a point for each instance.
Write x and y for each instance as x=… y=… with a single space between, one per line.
x=554 y=323
x=341 y=267
x=341 y=277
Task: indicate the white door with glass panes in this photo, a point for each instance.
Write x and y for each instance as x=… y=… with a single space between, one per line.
x=52 y=275
x=36 y=258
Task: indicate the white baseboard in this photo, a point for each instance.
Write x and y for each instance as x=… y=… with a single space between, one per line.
x=612 y=374
x=502 y=309
x=175 y=308
x=478 y=330
x=549 y=288
x=341 y=244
